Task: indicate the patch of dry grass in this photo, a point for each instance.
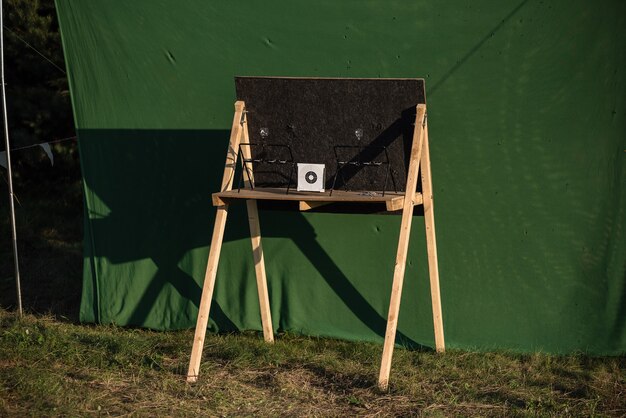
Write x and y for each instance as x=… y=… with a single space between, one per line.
x=49 y=367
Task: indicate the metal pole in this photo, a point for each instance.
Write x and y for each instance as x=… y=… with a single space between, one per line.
x=10 y=176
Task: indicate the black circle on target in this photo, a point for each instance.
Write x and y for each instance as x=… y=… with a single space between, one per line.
x=310 y=177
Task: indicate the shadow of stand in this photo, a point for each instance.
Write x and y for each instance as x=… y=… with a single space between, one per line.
x=166 y=211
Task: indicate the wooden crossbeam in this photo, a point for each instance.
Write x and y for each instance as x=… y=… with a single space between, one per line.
x=392 y=200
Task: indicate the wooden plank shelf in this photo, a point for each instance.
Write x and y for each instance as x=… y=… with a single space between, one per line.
x=308 y=200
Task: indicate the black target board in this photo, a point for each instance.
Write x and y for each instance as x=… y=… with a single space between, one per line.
x=361 y=129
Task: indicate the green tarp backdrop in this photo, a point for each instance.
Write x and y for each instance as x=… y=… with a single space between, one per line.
x=527 y=124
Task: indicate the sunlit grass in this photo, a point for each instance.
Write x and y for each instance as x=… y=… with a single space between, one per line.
x=51 y=367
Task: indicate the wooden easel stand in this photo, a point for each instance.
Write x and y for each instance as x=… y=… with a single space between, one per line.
x=419 y=157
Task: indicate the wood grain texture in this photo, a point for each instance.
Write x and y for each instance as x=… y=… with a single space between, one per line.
x=270 y=193
x=431 y=245
x=257 y=247
x=216 y=247
x=305 y=205
x=207 y=294
x=403 y=247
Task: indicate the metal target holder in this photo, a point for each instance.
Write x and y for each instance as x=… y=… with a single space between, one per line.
x=260 y=160
x=342 y=163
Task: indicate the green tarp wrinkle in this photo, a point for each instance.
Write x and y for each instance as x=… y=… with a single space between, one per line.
x=527 y=115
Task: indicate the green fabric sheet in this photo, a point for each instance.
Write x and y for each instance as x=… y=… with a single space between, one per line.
x=527 y=124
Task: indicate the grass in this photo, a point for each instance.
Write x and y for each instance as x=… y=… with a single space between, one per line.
x=52 y=366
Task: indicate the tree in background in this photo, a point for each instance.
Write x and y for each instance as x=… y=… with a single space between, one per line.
x=49 y=199
x=38 y=100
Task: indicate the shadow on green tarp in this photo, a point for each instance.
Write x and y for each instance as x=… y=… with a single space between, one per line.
x=526 y=115
x=155 y=204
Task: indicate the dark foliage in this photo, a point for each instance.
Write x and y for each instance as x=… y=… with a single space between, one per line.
x=48 y=198
x=38 y=100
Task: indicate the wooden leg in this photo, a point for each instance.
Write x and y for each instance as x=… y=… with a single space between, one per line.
x=207 y=293
x=396 y=295
x=257 y=248
x=259 y=267
x=403 y=248
x=431 y=245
